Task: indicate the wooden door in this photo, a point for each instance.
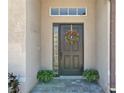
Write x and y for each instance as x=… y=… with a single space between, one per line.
x=71 y=49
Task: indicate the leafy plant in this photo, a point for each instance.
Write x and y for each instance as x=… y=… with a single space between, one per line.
x=13 y=83
x=45 y=75
x=91 y=75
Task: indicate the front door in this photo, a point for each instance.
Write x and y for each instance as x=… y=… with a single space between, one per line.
x=71 y=49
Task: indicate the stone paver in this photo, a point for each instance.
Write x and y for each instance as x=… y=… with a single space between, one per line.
x=67 y=86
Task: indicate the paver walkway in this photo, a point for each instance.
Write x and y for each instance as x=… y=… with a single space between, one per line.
x=67 y=86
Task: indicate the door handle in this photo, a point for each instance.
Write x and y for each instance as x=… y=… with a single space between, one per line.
x=60 y=54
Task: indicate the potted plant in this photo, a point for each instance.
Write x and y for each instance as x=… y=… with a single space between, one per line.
x=45 y=75
x=91 y=75
x=13 y=83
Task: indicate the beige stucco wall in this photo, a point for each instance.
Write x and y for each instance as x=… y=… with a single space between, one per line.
x=24 y=41
x=33 y=42
x=46 y=29
x=16 y=40
x=102 y=42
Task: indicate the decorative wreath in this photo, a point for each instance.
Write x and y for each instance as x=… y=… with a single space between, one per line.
x=72 y=37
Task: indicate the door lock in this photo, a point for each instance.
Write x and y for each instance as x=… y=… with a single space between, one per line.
x=60 y=54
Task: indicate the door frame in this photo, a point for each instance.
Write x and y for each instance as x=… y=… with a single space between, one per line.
x=59 y=43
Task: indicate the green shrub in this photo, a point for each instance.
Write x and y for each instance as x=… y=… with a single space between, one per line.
x=45 y=75
x=13 y=83
x=91 y=75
